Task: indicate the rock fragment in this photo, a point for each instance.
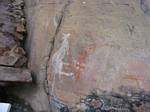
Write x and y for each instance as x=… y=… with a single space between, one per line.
x=9 y=74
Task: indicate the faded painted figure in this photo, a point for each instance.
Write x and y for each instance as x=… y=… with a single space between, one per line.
x=57 y=59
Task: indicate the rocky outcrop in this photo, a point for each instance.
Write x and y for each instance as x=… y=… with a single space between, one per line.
x=12 y=33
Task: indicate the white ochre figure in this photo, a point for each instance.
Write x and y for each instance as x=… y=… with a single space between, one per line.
x=57 y=59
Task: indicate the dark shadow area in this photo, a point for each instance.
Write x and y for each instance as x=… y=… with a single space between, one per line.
x=18 y=104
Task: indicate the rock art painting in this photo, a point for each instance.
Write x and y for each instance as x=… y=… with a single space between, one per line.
x=71 y=67
x=78 y=66
x=57 y=59
x=105 y=47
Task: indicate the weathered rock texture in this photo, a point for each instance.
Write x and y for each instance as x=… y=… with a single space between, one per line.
x=130 y=100
x=12 y=33
x=9 y=74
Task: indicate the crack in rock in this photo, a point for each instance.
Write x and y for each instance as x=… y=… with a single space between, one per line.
x=51 y=46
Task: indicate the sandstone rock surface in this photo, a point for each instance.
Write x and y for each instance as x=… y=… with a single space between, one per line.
x=100 y=45
x=77 y=46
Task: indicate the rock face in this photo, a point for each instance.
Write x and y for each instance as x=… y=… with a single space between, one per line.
x=12 y=33
x=99 y=45
x=79 y=46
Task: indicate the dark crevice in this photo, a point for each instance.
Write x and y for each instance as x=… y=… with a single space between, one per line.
x=18 y=104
